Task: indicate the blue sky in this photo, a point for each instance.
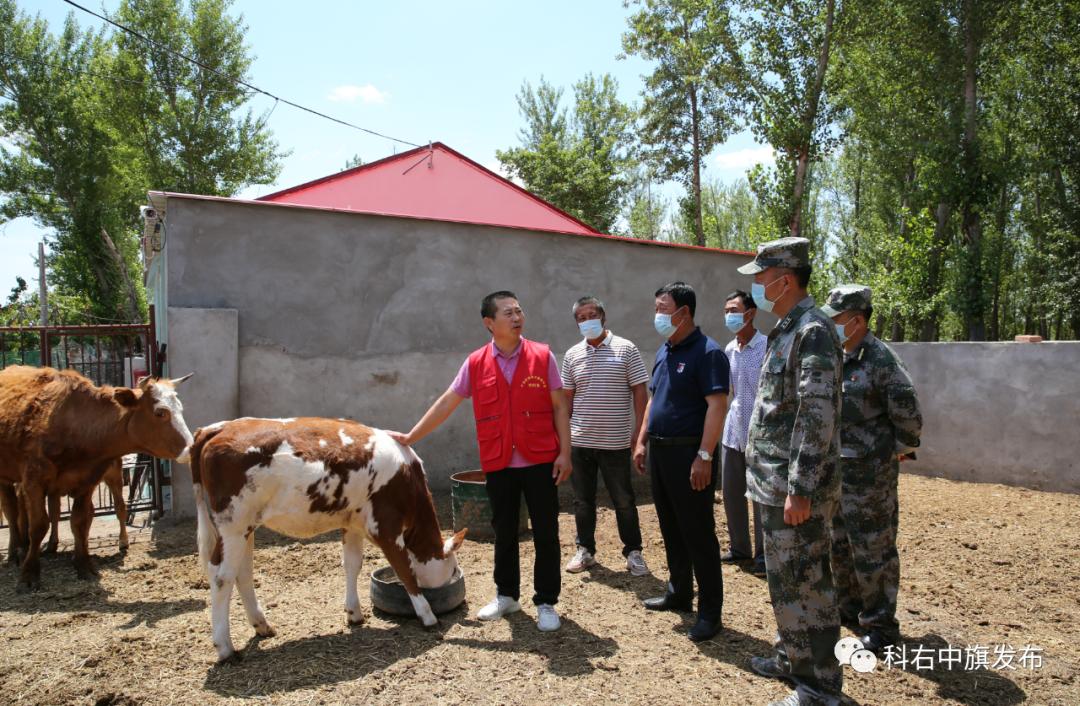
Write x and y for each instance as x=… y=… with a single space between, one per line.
x=445 y=71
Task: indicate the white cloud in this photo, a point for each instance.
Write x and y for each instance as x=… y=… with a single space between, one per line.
x=366 y=93
x=746 y=158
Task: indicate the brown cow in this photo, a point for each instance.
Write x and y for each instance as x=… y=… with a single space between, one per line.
x=59 y=433
x=303 y=477
x=114 y=479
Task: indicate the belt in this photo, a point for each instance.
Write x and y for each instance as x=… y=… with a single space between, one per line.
x=674 y=440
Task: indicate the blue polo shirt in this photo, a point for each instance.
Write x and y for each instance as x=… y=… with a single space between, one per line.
x=681 y=378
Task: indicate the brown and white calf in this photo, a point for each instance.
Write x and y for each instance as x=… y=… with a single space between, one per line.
x=60 y=434
x=304 y=477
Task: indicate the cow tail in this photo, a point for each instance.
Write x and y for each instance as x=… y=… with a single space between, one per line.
x=208 y=536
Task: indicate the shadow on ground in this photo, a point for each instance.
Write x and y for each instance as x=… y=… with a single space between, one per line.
x=974 y=687
x=568 y=651
x=63 y=593
x=326 y=659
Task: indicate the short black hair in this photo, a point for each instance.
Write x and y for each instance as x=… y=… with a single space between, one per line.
x=589 y=299
x=747 y=300
x=802 y=275
x=869 y=312
x=681 y=293
x=487 y=307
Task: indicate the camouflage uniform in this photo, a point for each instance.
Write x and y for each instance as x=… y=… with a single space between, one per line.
x=793 y=449
x=880 y=419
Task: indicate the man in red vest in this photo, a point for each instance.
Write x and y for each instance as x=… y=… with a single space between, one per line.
x=523 y=432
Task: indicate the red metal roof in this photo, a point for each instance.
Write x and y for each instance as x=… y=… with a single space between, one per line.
x=434 y=183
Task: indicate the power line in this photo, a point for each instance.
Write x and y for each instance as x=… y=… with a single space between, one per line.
x=240 y=82
x=98 y=74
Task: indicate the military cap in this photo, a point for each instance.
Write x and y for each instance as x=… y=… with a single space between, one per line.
x=847 y=297
x=785 y=252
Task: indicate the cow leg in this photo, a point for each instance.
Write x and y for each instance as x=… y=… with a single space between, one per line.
x=245 y=584
x=82 y=515
x=353 y=558
x=223 y=576
x=115 y=480
x=54 y=524
x=10 y=505
x=36 y=524
x=400 y=561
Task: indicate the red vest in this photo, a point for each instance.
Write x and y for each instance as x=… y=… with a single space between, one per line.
x=516 y=415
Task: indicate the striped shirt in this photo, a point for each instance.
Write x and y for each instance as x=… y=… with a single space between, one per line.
x=601 y=377
x=745 y=371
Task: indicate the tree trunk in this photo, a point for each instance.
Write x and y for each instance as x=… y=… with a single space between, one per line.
x=813 y=102
x=695 y=120
x=941 y=215
x=971 y=223
x=132 y=297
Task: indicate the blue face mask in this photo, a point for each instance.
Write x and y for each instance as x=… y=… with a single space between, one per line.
x=735 y=321
x=757 y=291
x=663 y=325
x=591 y=329
x=841 y=331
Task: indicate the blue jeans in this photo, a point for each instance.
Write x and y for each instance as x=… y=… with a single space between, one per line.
x=614 y=466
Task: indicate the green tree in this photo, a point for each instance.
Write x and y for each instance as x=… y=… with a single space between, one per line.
x=190 y=122
x=647 y=212
x=783 y=64
x=66 y=166
x=580 y=162
x=687 y=108
x=92 y=121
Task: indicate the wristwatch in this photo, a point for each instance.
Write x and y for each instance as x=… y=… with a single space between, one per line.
x=704 y=455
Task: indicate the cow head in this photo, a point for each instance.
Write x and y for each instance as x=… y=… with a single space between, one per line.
x=440 y=570
x=156 y=417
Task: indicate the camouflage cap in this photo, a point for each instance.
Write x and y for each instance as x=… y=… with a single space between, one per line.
x=847 y=297
x=785 y=252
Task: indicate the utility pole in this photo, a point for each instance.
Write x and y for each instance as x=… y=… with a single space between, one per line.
x=43 y=292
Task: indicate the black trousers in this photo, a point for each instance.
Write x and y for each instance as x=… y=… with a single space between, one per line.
x=614 y=466
x=688 y=527
x=504 y=489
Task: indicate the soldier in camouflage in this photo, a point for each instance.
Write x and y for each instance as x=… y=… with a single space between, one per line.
x=881 y=423
x=792 y=458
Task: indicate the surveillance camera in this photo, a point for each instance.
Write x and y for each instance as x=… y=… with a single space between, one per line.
x=148 y=213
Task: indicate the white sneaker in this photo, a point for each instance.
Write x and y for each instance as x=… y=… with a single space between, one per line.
x=547 y=620
x=499 y=606
x=581 y=561
x=635 y=564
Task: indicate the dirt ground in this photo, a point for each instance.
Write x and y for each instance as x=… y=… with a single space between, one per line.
x=981 y=565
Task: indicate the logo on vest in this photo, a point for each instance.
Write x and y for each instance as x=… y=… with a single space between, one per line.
x=681 y=367
x=535 y=381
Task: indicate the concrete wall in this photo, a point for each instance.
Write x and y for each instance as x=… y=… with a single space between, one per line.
x=998 y=412
x=344 y=314
x=203 y=341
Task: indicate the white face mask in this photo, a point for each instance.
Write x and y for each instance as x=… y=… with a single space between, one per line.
x=591 y=329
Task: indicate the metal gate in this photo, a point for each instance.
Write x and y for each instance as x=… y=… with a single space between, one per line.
x=107 y=355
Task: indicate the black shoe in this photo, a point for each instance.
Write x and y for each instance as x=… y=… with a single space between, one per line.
x=704 y=629
x=876 y=641
x=667 y=602
x=759 y=568
x=730 y=558
x=769 y=667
